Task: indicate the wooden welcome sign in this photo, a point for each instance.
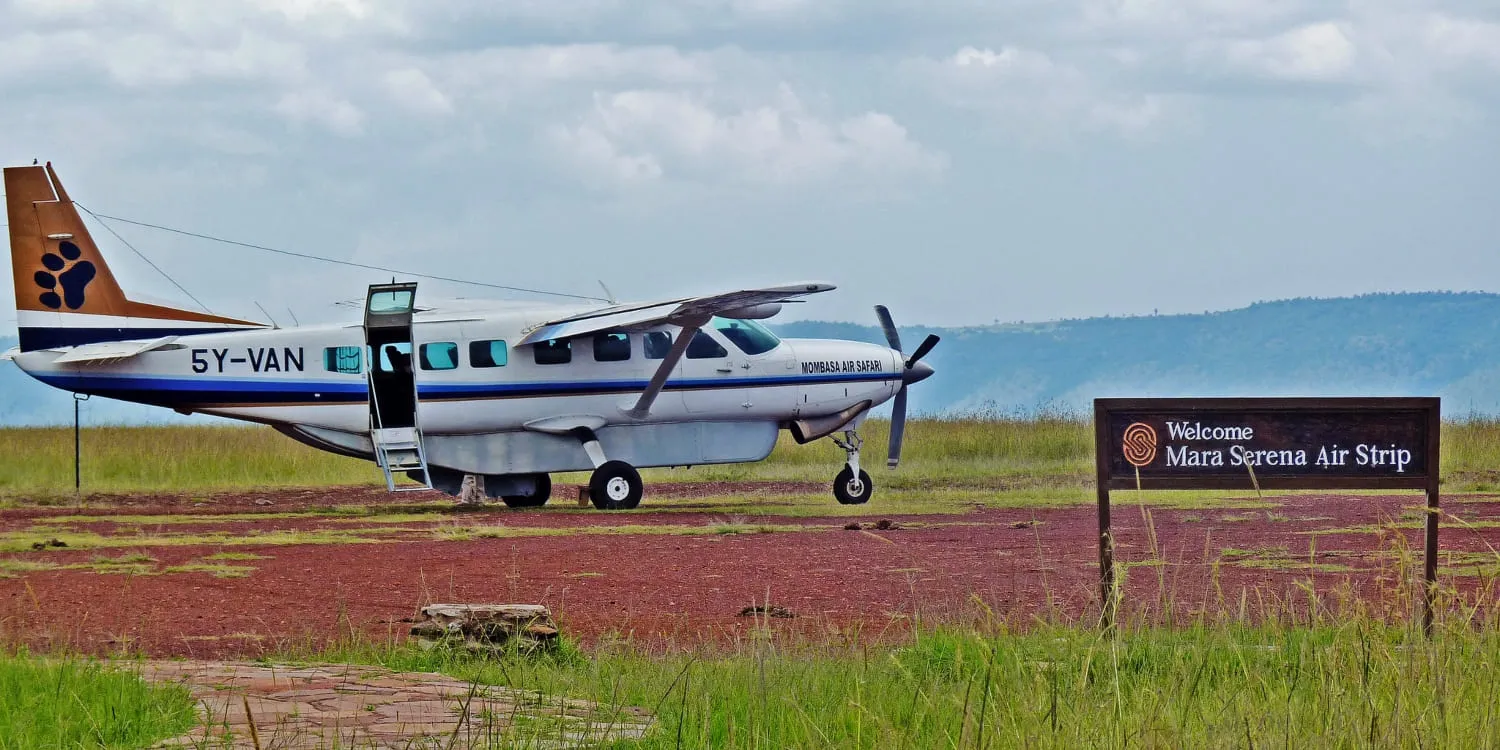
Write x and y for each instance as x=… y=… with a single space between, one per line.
x=1266 y=443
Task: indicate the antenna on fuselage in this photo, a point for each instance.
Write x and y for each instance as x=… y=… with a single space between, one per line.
x=295 y=322
x=608 y=295
x=274 y=324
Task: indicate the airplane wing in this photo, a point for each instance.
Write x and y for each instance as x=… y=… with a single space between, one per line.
x=690 y=312
x=110 y=351
x=694 y=311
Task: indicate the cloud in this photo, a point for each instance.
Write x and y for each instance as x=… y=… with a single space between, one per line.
x=136 y=59
x=553 y=79
x=1462 y=42
x=413 y=90
x=1137 y=66
x=1026 y=91
x=642 y=136
x=1033 y=66
x=1321 y=51
x=1180 y=19
x=336 y=115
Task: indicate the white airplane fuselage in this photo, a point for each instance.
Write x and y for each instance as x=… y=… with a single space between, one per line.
x=484 y=420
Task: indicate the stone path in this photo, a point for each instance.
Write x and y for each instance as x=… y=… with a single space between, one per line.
x=345 y=706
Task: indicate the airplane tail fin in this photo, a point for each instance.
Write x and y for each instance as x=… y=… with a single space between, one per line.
x=65 y=292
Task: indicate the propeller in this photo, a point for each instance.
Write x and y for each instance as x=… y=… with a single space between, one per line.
x=915 y=371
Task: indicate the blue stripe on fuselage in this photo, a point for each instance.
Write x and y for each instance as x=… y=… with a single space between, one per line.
x=35 y=338
x=207 y=392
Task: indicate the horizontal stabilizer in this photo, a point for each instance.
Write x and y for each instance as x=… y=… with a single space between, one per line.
x=110 y=351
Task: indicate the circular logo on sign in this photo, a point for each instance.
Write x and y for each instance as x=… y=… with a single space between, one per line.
x=1139 y=445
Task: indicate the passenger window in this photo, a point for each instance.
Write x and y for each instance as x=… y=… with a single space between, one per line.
x=553 y=351
x=657 y=344
x=703 y=346
x=344 y=359
x=488 y=354
x=442 y=355
x=611 y=347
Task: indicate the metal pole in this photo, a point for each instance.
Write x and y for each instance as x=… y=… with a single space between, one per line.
x=77 y=463
x=77 y=445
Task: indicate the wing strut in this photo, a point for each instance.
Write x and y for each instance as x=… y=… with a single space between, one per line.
x=679 y=347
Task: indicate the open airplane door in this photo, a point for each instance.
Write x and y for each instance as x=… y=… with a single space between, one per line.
x=392 y=379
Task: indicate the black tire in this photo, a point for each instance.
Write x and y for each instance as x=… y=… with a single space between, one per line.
x=616 y=486
x=536 y=500
x=848 y=495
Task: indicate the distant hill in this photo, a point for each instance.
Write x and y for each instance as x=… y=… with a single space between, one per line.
x=1417 y=344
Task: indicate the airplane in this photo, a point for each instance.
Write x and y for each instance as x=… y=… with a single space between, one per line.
x=510 y=392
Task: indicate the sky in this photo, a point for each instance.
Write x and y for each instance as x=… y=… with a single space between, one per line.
x=961 y=162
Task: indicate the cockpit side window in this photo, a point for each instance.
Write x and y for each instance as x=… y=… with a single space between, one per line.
x=703 y=346
x=749 y=336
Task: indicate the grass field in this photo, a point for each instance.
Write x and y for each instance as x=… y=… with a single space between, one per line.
x=1310 y=678
x=1037 y=454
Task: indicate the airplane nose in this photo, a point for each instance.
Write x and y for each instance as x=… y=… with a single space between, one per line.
x=916 y=373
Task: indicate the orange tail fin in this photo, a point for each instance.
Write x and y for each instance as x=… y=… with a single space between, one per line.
x=65 y=293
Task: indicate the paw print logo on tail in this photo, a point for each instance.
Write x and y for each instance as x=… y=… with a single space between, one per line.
x=65 y=279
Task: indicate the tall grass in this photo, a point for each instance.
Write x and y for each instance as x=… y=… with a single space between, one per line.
x=77 y=704
x=992 y=451
x=1352 y=684
x=1471 y=454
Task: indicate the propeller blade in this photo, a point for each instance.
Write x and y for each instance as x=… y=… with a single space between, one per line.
x=922 y=350
x=898 y=428
x=891 y=336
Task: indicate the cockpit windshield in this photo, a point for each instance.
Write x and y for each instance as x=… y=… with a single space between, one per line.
x=749 y=336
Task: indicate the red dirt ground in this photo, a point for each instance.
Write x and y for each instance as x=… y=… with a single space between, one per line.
x=671 y=590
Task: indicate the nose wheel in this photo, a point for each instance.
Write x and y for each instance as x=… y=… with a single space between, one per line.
x=852 y=486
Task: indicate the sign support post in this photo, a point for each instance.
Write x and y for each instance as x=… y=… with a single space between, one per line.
x=1288 y=443
x=1430 y=553
x=1107 y=599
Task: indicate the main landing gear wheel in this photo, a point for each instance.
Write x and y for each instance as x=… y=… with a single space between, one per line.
x=851 y=490
x=537 y=499
x=616 y=485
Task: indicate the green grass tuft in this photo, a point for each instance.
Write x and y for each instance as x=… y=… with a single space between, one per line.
x=78 y=704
